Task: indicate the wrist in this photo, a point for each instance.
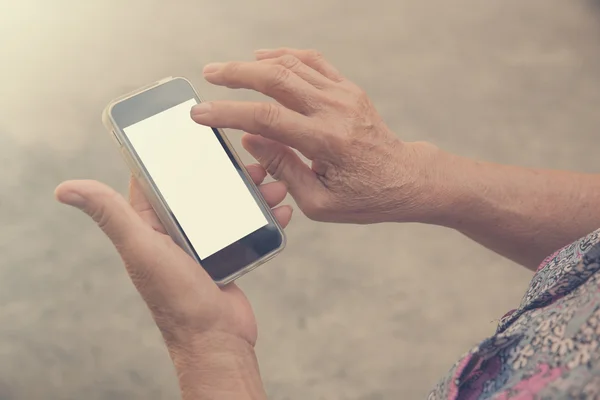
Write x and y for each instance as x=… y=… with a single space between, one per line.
x=434 y=190
x=216 y=366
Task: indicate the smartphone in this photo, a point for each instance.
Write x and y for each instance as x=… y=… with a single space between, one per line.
x=194 y=180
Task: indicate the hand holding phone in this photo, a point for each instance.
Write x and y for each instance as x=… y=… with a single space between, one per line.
x=194 y=180
x=195 y=316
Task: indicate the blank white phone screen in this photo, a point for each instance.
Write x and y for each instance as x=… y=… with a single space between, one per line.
x=196 y=178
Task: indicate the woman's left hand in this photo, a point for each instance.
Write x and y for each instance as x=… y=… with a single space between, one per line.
x=210 y=332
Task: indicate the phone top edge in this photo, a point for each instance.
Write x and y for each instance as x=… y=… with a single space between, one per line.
x=106 y=113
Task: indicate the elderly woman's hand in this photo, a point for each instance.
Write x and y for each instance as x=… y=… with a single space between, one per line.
x=359 y=170
x=210 y=332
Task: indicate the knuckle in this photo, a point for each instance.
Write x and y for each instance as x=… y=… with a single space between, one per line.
x=280 y=77
x=104 y=221
x=276 y=164
x=337 y=102
x=100 y=213
x=231 y=67
x=356 y=101
x=359 y=97
x=266 y=115
x=102 y=218
x=289 y=61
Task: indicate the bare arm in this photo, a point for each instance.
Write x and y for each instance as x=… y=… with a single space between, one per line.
x=220 y=367
x=521 y=213
x=360 y=172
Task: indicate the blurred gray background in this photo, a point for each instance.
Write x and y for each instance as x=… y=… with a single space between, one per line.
x=347 y=312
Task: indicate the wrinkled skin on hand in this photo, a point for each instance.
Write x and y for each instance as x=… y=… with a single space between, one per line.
x=186 y=304
x=358 y=170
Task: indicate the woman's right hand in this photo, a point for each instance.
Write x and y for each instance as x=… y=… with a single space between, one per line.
x=360 y=171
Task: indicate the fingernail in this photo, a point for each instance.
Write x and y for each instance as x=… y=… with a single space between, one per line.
x=213 y=67
x=72 y=199
x=201 y=108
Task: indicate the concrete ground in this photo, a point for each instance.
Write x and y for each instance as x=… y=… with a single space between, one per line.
x=347 y=312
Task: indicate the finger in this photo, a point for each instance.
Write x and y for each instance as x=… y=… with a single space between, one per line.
x=142 y=206
x=267 y=119
x=283 y=164
x=257 y=173
x=270 y=79
x=273 y=193
x=312 y=58
x=283 y=215
x=107 y=208
x=305 y=72
x=145 y=253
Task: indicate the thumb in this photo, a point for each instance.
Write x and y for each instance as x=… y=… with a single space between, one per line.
x=166 y=277
x=107 y=208
x=283 y=164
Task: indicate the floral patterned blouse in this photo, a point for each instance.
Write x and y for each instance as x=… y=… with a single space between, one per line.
x=549 y=347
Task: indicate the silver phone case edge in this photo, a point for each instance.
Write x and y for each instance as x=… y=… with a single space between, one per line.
x=158 y=203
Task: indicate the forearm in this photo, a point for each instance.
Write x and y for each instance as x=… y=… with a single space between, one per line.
x=217 y=368
x=521 y=213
